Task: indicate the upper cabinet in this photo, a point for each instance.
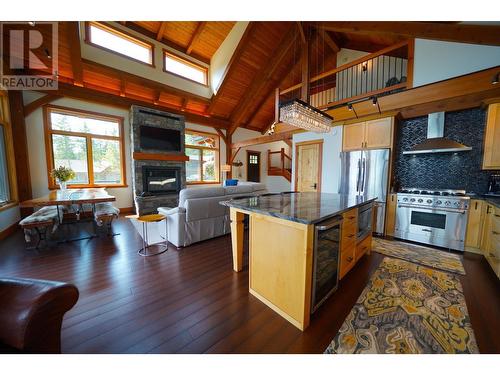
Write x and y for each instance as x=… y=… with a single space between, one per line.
x=372 y=134
x=491 y=156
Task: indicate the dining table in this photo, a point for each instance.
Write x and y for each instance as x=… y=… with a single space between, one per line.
x=71 y=198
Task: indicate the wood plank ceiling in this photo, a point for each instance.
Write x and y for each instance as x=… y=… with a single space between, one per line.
x=268 y=56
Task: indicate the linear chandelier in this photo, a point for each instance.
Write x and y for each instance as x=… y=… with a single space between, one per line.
x=302 y=115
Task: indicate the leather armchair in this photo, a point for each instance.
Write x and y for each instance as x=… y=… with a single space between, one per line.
x=31 y=314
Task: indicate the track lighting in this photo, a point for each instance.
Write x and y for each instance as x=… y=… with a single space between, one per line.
x=494 y=80
x=47 y=53
x=374 y=101
x=364 y=66
x=349 y=107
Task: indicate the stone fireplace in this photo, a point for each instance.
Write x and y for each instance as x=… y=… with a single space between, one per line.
x=158 y=174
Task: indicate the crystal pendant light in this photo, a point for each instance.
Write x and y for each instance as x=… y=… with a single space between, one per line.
x=302 y=115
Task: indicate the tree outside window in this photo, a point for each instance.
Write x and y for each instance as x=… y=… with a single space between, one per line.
x=203 y=152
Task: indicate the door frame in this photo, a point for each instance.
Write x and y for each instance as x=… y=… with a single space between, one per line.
x=320 y=163
x=260 y=163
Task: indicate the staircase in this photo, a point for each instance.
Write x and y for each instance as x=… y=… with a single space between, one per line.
x=279 y=164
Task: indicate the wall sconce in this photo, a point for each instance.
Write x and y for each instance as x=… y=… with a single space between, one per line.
x=225 y=168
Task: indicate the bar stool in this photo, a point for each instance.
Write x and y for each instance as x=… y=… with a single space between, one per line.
x=153 y=218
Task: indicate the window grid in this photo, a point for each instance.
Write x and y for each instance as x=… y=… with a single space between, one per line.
x=199 y=159
x=89 y=161
x=189 y=65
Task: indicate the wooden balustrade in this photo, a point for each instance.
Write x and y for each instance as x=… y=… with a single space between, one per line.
x=285 y=167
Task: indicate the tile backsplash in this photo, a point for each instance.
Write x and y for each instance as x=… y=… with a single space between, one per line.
x=460 y=170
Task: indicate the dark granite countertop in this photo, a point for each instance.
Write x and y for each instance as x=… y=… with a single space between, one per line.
x=494 y=200
x=305 y=208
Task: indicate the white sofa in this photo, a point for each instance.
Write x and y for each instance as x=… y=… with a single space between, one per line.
x=199 y=215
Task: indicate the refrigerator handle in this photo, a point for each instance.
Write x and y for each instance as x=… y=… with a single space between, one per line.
x=362 y=189
x=359 y=175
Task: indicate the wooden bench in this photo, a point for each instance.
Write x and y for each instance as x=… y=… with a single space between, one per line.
x=40 y=222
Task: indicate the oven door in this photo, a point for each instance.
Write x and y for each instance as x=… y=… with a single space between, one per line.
x=439 y=227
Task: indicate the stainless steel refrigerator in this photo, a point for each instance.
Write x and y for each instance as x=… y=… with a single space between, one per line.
x=367 y=173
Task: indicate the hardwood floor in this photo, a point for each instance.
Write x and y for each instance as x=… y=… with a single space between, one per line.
x=190 y=300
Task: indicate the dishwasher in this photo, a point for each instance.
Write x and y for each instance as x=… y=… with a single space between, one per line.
x=326 y=257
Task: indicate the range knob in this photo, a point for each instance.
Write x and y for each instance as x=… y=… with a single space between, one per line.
x=456 y=204
x=438 y=202
x=429 y=201
x=405 y=199
x=447 y=203
x=420 y=200
x=412 y=199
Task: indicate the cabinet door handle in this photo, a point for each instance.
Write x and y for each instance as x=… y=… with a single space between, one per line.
x=351 y=217
x=351 y=236
x=495 y=233
x=488 y=210
x=349 y=259
x=476 y=206
x=497 y=215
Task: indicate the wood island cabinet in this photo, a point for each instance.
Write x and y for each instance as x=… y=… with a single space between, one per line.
x=474 y=226
x=491 y=155
x=372 y=134
x=490 y=242
x=390 y=221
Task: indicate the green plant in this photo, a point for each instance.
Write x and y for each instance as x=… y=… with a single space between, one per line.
x=62 y=174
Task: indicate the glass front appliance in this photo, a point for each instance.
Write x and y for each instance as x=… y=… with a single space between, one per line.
x=326 y=260
x=364 y=220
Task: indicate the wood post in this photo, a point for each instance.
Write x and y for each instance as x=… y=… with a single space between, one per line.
x=237 y=238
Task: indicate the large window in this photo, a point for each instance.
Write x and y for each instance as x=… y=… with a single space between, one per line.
x=90 y=144
x=203 y=151
x=8 y=191
x=184 y=68
x=104 y=36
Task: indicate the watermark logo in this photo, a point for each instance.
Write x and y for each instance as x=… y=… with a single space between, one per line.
x=29 y=54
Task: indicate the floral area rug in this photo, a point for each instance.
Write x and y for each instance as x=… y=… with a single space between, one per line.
x=439 y=259
x=407 y=309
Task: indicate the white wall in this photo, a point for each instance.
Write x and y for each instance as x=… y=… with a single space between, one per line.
x=332 y=146
x=9 y=217
x=36 y=146
x=273 y=183
x=222 y=56
x=436 y=61
x=153 y=73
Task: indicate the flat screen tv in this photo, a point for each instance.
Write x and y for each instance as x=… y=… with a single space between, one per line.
x=152 y=138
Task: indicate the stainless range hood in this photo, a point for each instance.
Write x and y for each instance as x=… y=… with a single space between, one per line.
x=435 y=141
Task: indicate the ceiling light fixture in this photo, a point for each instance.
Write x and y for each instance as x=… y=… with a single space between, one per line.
x=47 y=53
x=375 y=103
x=350 y=107
x=494 y=80
x=302 y=115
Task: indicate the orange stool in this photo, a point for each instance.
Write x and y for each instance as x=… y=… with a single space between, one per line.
x=153 y=218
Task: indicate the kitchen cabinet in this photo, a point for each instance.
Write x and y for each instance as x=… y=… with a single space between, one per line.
x=474 y=226
x=491 y=154
x=490 y=243
x=390 y=220
x=372 y=134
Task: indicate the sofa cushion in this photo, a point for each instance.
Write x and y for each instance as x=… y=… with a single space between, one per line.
x=204 y=208
x=199 y=193
x=239 y=189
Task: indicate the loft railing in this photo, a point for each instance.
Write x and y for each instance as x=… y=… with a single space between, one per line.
x=279 y=164
x=376 y=74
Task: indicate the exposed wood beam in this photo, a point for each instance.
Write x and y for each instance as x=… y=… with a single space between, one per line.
x=233 y=154
x=141 y=81
x=329 y=40
x=99 y=95
x=17 y=115
x=153 y=35
x=222 y=135
x=302 y=34
x=161 y=30
x=288 y=142
x=305 y=55
x=465 y=33
x=262 y=79
x=75 y=52
x=276 y=110
x=265 y=139
x=230 y=66
x=34 y=105
x=478 y=83
x=196 y=36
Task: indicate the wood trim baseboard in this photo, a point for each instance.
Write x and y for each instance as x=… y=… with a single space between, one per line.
x=148 y=156
x=9 y=230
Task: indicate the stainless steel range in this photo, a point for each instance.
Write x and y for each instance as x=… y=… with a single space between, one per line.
x=435 y=217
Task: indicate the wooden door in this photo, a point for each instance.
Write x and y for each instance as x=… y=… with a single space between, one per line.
x=353 y=136
x=253 y=166
x=474 y=224
x=308 y=166
x=390 y=220
x=491 y=155
x=378 y=133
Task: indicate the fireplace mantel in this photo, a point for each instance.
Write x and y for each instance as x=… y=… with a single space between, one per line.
x=164 y=157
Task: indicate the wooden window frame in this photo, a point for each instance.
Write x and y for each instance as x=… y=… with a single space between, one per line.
x=123 y=34
x=217 y=149
x=9 y=150
x=185 y=61
x=49 y=151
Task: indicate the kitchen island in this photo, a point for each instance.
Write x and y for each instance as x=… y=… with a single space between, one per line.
x=283 y=234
